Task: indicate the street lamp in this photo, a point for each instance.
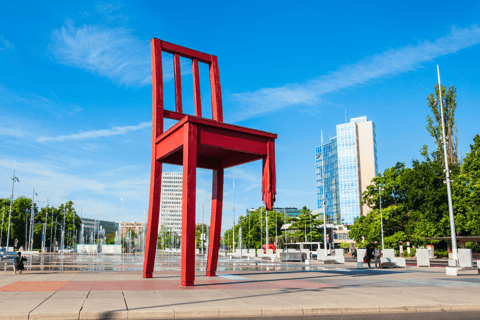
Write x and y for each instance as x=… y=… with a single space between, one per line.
x=11 y=201
x=447 y=171
x=32 y=222
x=381 y=215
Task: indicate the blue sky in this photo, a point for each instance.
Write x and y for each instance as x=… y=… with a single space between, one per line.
x=75 y=89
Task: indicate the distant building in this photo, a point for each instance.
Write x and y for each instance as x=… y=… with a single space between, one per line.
x=345 y=166
x=136 y=227
x=171 y=201
x=89 y=225
x=288 y=211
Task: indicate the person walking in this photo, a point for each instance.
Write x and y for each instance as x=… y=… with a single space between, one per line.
x=18 y=263
x=369 y=256
x=377 y=258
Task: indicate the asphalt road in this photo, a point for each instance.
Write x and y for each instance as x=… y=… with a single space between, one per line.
x=377 y=316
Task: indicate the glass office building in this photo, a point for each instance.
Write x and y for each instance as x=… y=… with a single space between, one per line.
x=328 y=152
x=345 y=166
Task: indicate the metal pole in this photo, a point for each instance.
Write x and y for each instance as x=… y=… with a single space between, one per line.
x=203 y=221
x=233 y=234
x=305 y=227
x=310 y=214
x=44 y=235
x=323 y=195
x=26 y=231
x=32 y=222
x=261 y=227
x=3 y=216
x=266 y=231
x=447 y=171
x=381 y=215
x=249 y=232
x=11 y=201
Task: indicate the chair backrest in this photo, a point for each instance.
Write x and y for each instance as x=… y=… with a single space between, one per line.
x=157 y=83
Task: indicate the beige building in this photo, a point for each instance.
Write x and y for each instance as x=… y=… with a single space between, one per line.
x=171 y=201
x=367 y=154
x=136 y=227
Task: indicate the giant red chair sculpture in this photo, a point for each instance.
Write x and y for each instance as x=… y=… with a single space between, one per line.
x=197 y=142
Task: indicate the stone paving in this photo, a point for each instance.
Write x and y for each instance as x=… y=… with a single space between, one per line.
x=325 y=290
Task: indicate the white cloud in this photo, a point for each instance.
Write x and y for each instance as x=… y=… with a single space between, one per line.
x=112 y=52
x=388 y=63
x=109 y=52
x=4 y=43
x=14 y=132
x=93 y=134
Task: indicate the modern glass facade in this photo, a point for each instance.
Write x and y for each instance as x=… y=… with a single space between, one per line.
x=348 y=172
x=340 y=173
x=330 y=168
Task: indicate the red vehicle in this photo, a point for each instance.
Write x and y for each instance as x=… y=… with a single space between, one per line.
x=270 y=246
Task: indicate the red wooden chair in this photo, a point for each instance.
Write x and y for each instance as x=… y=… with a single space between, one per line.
x=197 y=142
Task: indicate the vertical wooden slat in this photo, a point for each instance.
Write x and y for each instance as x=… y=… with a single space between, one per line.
x=187 y=272
x=217 y=111
x=196 y=88
x=178 y=83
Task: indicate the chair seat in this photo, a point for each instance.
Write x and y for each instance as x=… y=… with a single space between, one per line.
x=218 y=144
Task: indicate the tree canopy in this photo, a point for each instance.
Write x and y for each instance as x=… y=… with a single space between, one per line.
x=20 y=221
x=415 y=204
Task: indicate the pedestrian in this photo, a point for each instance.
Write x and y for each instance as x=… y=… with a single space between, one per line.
x=369 y=256
x=377 y=258
x=18 y=263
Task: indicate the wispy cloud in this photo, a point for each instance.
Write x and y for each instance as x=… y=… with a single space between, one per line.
x=14 y=132
x=4 y=43
x=112 y=52
x=390 y=62
x=94 y=134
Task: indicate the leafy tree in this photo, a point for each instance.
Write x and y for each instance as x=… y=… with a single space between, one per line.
x=252 y=221
x=301 y=227
x=466 y=193
x=20 y=221
x=110 y=238
x=434 y=125
x=415 y=205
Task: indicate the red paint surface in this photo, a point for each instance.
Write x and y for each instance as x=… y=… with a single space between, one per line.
x=198 y=142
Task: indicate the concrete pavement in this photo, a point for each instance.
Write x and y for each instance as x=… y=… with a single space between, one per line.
x=329 y=290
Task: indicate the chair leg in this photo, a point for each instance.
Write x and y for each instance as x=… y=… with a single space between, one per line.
x=187 y=274
x=215 y=222
x=153 y=217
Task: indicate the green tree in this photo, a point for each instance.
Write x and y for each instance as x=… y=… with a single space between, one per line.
x=434 y=125
x=110 y=238
x=301 y=227
x=466 y=193
x=414 y=205
x=252 y=222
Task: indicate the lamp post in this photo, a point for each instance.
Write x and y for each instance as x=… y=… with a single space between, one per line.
x=447 y=171
x=3 y=216
x=323 y=200
x=32 y=221
x=249 y=232
x=381 y=215
x=11 y=201
x=266 y=231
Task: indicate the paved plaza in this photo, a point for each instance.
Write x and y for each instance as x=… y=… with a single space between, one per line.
x=321 y=289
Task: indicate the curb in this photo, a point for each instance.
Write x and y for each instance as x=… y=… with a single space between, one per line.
x=253 y=312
